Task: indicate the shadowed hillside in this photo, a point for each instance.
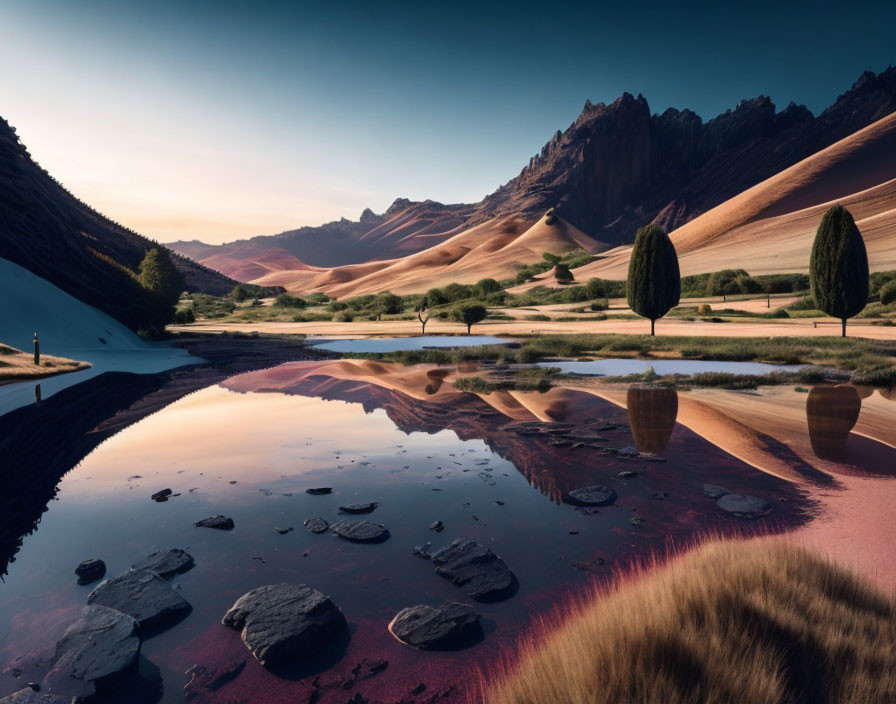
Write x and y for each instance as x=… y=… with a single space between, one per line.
x=46 y=230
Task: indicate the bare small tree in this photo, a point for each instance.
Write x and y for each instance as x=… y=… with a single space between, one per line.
x=423 y=315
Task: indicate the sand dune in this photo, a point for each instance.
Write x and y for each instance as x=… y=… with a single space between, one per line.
x=769 y=228
x=494 y=249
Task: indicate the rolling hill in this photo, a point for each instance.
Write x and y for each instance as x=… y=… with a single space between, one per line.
x=52 y=234
x=615 y=168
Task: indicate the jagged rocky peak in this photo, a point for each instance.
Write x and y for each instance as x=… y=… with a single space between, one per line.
x=367 y=215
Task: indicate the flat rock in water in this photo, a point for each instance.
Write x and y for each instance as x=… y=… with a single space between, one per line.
x=319 y=491
x=361 y=531
x=714 y=492
x=284 y=621
x=167 y=562
x=596 y=495
x=219 y=522
x=430 y=628
x=437 y=526
x=369 y=507
x=161 y=495
x=317 y=525
x=474 y=568
x=743 y=505
x=142 y=594
x=29 y=696
x=94 y=654
x=90 y=570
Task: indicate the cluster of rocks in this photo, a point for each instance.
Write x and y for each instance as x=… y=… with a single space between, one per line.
x=99 y=650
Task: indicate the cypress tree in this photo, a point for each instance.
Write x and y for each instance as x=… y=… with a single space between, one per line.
x=838 y=268
x=654 y=280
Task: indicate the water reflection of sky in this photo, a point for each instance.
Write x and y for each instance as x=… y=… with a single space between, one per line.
x=425 y=451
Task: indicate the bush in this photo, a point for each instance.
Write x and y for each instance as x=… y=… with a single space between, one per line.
x=704 y=309
x=343 y=317
x=184 y=316
x=563 y=274
x=284 y=300
x=600 y=305
x=888 y=293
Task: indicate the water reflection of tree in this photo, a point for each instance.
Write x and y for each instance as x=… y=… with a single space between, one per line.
x=652 y=411
x=832 y=412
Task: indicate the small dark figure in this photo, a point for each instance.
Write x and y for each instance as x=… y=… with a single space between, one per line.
x=37 y=393
x=36 y=350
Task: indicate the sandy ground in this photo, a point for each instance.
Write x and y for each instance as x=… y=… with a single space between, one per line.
x=619 y=306
x=795 y=328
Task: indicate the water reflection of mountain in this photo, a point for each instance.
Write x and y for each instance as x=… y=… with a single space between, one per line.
x=559 y=440
x=40 y=443
x=652 y=411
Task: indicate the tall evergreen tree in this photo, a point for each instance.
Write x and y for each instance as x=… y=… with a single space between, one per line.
x=838 y=268
x=654 y=280
x=159 y=277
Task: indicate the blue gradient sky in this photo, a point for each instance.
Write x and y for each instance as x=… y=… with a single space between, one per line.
x=220 y=120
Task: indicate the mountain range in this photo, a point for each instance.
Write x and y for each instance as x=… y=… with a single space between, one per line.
x=615 y=168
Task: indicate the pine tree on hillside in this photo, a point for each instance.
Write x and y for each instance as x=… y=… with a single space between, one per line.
x=838 y=268
x=654 y=281
x=163 y=281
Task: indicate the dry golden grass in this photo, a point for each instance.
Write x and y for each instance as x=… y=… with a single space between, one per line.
x=16 y=365
x=730 y=622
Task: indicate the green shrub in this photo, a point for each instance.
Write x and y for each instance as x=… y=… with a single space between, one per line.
x=888 y=293
x=284 y=300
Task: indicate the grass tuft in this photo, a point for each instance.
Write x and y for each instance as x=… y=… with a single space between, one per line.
x=730 y=622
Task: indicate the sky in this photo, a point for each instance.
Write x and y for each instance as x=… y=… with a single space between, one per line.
x=193 y=119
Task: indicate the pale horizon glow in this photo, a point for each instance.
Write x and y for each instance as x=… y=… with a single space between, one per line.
x=224 y=120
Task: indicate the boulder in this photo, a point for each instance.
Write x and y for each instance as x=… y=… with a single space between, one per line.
x=743 y=506
x=361 y=531
x=90 y=570
x=437 y=526
x=95 y=654
x=218 y=522
x=369 y=507
x=595 y=495
x=167 y=562
x=317 y=525
x=161 y=495
x=714 y=492
x=319 y=491
x=434 y=627
x=474 y=568
x=284 y=621
x=142 y=594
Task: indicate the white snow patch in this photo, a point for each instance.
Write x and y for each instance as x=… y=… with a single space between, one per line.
x=70 y=328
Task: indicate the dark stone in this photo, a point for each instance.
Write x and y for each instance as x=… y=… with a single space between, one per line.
x=94 y=654
x=627 y=474
x=319 y=491
x=361 y=531
x=596 y=495
x=431 y=628
x=284 y=621
x=474 y=568
x=283 y=531
x=142 y=594
x=167 y=562
x=714 y=492
x=90 y=570
x=437 y=526
x=742 y=505
x=369 y=507
x=423 y=551
x=161 y=495
x=219 y=522
x=317 y=525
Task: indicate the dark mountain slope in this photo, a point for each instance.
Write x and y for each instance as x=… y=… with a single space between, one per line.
x=57 y=237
